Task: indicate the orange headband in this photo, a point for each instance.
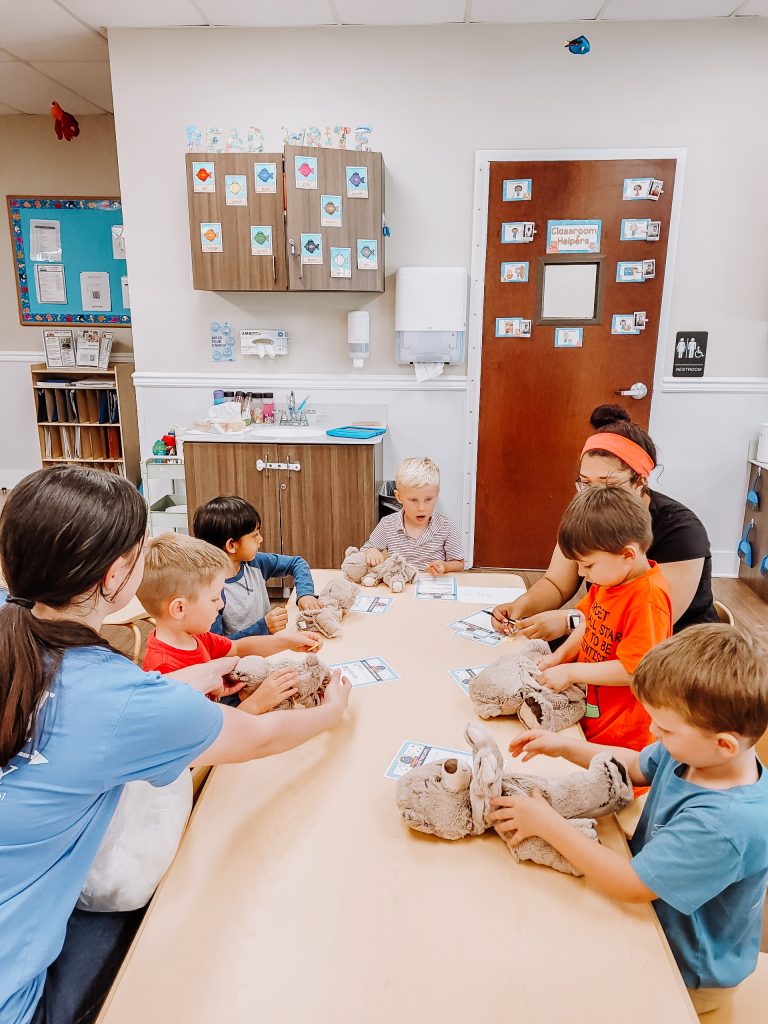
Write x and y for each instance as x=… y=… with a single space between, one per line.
x=634 y=456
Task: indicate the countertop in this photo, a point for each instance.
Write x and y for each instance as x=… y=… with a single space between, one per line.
x=264 y=435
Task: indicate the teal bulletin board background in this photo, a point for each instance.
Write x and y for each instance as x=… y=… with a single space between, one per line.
x=86 y=244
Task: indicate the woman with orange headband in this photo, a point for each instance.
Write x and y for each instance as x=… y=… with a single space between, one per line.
x=621 y=454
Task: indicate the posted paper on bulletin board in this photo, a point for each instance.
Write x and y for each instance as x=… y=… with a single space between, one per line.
x=69 y=256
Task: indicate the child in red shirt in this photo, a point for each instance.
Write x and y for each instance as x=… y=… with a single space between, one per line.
x=181 y=587
x=627 y=611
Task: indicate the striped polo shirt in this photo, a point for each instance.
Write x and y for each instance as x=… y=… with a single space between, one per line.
x=439 y=541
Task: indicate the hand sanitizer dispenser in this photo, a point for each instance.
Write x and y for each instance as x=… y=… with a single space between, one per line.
x=430 y=314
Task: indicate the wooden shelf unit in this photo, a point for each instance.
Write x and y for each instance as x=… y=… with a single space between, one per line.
x=74 y=422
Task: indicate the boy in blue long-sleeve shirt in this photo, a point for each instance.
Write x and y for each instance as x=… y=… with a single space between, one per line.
x=234 y=525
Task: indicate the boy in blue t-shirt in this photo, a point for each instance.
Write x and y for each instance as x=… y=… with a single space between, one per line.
x=700 y=850
x=233 y=524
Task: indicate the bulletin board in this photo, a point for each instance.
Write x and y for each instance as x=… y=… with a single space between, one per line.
x=85 y=237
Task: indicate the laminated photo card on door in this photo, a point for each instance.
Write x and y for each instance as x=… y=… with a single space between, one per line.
x=203 y=176
x=631 y=272
x=330 y=211
x=312 y=249
x=656 y=189
x=357 y=182
x=518 y=231
x=305 y=171
x=264 y=178
x=653 y=230
x=624 y=323
x=514 y=273
x=633 y=230
x=210 y=236
x=367 y=254
x=569 y=337
x=637 y=188
x=641 y=320
x=517 y=189
x=649 y=269
x=261 y=240
x=512 y=327
x=341 y=261
x=236 y=189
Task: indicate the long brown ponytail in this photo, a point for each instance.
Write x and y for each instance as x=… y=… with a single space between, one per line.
x=60 y=531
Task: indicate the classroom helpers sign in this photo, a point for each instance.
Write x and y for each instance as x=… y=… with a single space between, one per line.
x=573 y=236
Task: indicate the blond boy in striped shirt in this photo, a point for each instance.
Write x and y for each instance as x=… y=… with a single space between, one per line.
x=428 y=539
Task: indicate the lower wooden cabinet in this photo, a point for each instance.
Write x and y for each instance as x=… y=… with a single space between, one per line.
x=314 y=499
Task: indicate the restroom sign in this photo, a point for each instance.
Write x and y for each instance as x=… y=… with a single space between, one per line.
x=690 y=353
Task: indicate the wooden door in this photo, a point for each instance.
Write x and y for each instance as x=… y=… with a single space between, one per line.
x=331 y=502
x=240 y=266
x=213 y=468
x=361 y=218
x=535 y=399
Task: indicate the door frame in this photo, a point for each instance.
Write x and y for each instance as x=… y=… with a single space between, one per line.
x=483 y=159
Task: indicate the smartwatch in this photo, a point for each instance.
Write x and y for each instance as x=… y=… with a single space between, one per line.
x=574 y=620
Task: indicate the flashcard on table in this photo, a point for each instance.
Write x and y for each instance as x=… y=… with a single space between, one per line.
x=436 y=588
x=512 y=327
x=357 y=182
x=203 y=176
x=236 y=189
x=261 y=239
x=214 y=139
x=649 y=269
x=624 y=323
x=305 y=171
x=566 y=236
x=490 y=595
x=464 y=675
x=341 y=261
x=514 y=272
x=264 y=178
x=569 y=337
x=210 y=236
x=367 y=254
x=516 y=189
x=637 y=188
x=633 y=230
x=311 y=249
x=366 y=671
x=478 y=627
x=371 y=604
x=330 y=211
x=412 y=755
x=630 y=272
x=518 y=231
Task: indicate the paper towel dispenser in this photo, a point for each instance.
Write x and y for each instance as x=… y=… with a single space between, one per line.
x=430 y=314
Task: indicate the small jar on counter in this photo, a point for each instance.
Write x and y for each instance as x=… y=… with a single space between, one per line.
x=269 y=407
x=257 y=408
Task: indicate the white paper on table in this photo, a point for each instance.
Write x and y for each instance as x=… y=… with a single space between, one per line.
x=490 y=595
x=366 y=671
x=412 y=755
x=435 y=588
x=126 y=293
x=118 y=242
x=372 y=604
x=45 y=241
x=50 y=283
x=94 y=288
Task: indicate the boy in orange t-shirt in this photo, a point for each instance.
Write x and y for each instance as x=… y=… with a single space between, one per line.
x=627 y=611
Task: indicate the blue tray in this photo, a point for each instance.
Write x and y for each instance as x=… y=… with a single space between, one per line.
x=358 y=433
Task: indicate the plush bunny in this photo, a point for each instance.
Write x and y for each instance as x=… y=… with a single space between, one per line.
x=313 y=675
x=451 y=800
x=509 y=687
x=336 y=598
x=394 y=571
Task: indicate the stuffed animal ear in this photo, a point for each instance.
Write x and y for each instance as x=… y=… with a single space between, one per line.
x=488 y=767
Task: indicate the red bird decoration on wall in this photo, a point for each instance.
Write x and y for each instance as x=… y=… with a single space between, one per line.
x=66 y=125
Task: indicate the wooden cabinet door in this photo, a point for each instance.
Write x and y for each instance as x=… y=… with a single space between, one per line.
x=239 y=267
x=330 y=502
x=361 y=218
x=214 y=468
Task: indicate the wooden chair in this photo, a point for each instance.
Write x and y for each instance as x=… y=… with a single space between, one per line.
x=724 y=613
x=749 y=1003
x=129 y=616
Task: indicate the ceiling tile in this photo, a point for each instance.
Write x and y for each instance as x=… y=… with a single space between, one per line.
x=136 y=13
x=753 y=7
x=267 y=13
x=507 y=11
x=41 y=30
x=667 y=10
x=31 y=92
x=400 y=12
x=88 y=78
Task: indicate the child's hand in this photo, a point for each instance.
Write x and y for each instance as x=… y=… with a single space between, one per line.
x=373 y=556
x=558 y=678
x=308 y=603
x=276 y=620
x=436 y=568
x=548 y=661
x=276 y=688
x=537 y=741
x=525 y=816
x=337 y=692
x=304 y=642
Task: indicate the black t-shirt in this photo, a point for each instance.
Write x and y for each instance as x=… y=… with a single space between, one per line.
x=679 y=536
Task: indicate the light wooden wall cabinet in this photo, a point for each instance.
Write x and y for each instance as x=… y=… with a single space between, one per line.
x=315 y=500
x=289 y=212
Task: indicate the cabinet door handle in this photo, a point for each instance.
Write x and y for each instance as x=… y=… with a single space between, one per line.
x=261 y=465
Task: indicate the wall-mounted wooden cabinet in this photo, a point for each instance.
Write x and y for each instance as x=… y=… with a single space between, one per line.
x=245 y=238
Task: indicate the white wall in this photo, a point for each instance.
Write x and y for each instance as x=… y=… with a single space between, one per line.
x=434 y=96
x=34 y=162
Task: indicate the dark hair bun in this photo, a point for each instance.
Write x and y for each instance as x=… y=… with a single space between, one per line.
x=606 y=415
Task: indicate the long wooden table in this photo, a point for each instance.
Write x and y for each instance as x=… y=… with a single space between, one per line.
x=298 y=894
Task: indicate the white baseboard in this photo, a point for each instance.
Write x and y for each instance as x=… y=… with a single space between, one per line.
x=725 y=564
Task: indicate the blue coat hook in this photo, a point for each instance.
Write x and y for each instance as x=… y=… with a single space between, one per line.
x=753 y=497
x=745 y=548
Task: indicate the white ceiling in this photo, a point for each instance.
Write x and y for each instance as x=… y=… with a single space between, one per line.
x=58 y=48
